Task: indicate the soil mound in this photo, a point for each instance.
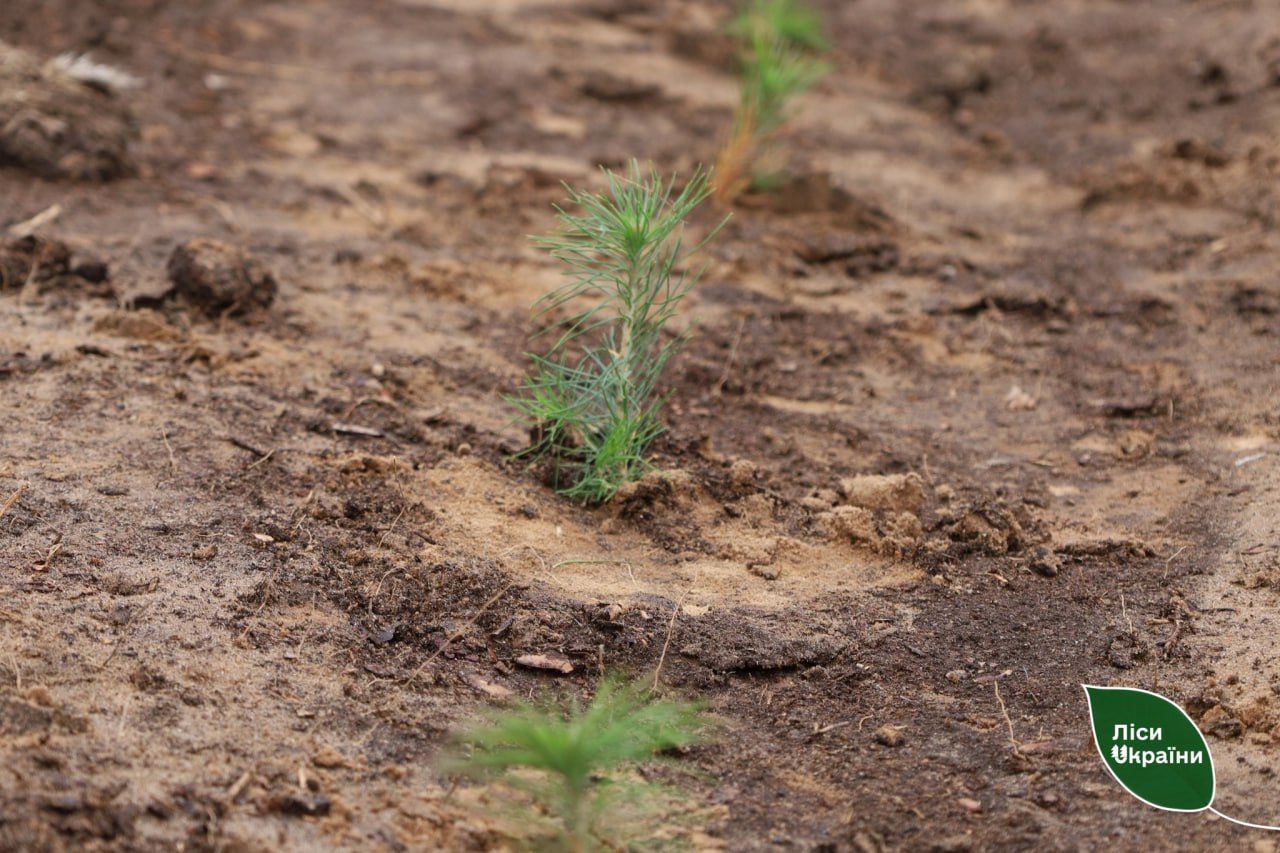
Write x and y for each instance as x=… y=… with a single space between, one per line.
x=58 y=127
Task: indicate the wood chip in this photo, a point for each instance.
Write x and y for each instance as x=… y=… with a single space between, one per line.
x=356 y=429
x=488 y=688
x=550 y=663
x=30 y=226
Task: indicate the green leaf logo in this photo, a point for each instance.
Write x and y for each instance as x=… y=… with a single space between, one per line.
x=1152 y=748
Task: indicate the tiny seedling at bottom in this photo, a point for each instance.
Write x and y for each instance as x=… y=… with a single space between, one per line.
x=577 y=767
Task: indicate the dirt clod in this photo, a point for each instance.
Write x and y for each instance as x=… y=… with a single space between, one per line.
x=297 y=805
x=655 y=493
x=31 y=258
x=219 y=278
x=742 y=472
x=1218 y=722
x=1045 y=563
x=991 y=528
x=57 y=127
x=898 y=492
x=92 y=269
x=855 y=523
x=328 y=757
x=888 y=735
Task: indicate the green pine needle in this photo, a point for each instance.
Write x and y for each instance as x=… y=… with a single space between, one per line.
x=774 y=72
x=592 y=399
x=788 y=20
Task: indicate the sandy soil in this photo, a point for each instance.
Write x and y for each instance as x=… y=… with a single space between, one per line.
x=261 y=562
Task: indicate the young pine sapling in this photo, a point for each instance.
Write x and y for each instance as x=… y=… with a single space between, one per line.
x=779 y=40
x=591 y=401
x=576 y=766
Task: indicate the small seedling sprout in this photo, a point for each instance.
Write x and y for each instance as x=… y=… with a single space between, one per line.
x=779 y=39
x=576 y=766
x=591 y=401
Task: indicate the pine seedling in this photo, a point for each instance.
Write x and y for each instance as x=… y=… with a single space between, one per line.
x=777 y=64
x=577 y=768
x=591 y=401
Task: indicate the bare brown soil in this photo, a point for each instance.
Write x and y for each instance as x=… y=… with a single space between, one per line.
x=261 y=562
